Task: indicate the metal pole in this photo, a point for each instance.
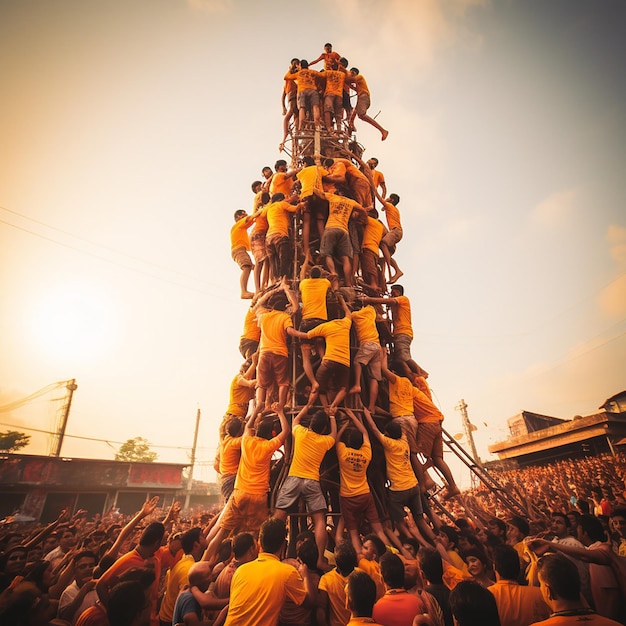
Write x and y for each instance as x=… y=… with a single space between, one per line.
x=467 y=427
x=193 y=461
x=71 y=388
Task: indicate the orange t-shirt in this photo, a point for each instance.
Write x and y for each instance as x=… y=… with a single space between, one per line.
x=353 y=469
x=339 y=211
x=240 y=397
x=334 y=82
x=313 y=293
x=337 y=336
x=274 y=326
x=374 y=231
x=239 y=233
x=278 y=218
x=305 y=79
x=424 y=409
x=309 y=451
x=310 y=178
x=393 y=216
x=281 y=183
x=230 y=453
x=401 y=397
x=251 y=328
x=359 y=84
x=364 y=321
x=253 y=475
x=399 y=470
x=402 y=317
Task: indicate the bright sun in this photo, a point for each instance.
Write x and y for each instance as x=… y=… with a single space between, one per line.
x=73 y=322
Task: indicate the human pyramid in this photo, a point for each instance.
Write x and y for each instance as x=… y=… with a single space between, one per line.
x=324 y=336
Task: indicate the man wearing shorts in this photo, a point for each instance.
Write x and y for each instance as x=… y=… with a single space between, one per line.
x=310 y=446
x=313 y=293
x=403 y=488
x=335 y=368
x=369 y=353
x=390 y=240
x=239 y=249
x=357 y=502
x=308 y=96
x=362 y=102
x=275 y=324
x=247 y=507
x=336 y=238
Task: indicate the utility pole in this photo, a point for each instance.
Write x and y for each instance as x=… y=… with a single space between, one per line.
x=193 y=460
x=71 y=387
x=468 y=427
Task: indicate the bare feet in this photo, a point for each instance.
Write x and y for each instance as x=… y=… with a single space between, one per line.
x=451 y=493
x=399 y=274
x=281 y=147
x=385 y=135
x=247 y=295
x=355 y=389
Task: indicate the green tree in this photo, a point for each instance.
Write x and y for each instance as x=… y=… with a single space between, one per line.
x=136 y=450
x=12 y=441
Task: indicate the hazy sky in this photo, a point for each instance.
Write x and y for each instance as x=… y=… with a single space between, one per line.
x=131 y=131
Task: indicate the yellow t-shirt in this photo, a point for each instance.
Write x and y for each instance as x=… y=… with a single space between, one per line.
x=239 y=233
x=309 y=450
x=305 y=79
x=402 y=317
x=311 y=178
x=313 y=293
x=353 y=469
x=399 y=470
x=401 y=397
x=230 y=453
x=278 y=218
x=274 y=326
x=240 y=397
x=281 y=183
x=253 y=475
x=253 y=601
x=334 y=584
x=393 y=216
x=374 y=231
x=364 y=321
x=339 y=211
x=334 y=82
x=337 y=336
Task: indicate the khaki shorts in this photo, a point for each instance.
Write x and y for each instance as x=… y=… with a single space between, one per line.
x=241 y=257
x=362 y=104
x=245 y=511
x=294 y=487
x=257 y=246
x=430 y=439
x=408 y=423
x=392 y=237
x=369 y=354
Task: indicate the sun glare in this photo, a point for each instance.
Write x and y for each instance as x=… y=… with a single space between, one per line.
x=73 y=322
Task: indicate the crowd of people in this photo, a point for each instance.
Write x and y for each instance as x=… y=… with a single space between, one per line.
x=331 y=433
x=158 y=567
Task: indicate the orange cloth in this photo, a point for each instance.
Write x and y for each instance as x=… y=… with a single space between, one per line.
x=402 y=317
x=274 y=326
x=334 y=82
x=393 y=216
x=251 y=328
x=374 y=231
x=281 y=183
x=239 y=233
x=401 y=394
x=364 y=321
x=239 y=397
x=424 y=409
x=334 y=584
x=372 y=569
x=337 y=336
x=359 y=84
x=305 y=79
x=311 y=178
x=278 y=218
x=313 y=293
x=517 y=605
x=230 y=453
x=339 y=211
x=253 y=475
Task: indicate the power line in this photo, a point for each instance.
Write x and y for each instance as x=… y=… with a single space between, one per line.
x=124 y=266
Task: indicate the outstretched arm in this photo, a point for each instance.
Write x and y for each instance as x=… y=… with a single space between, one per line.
x=372 y=424
x=357 y=422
